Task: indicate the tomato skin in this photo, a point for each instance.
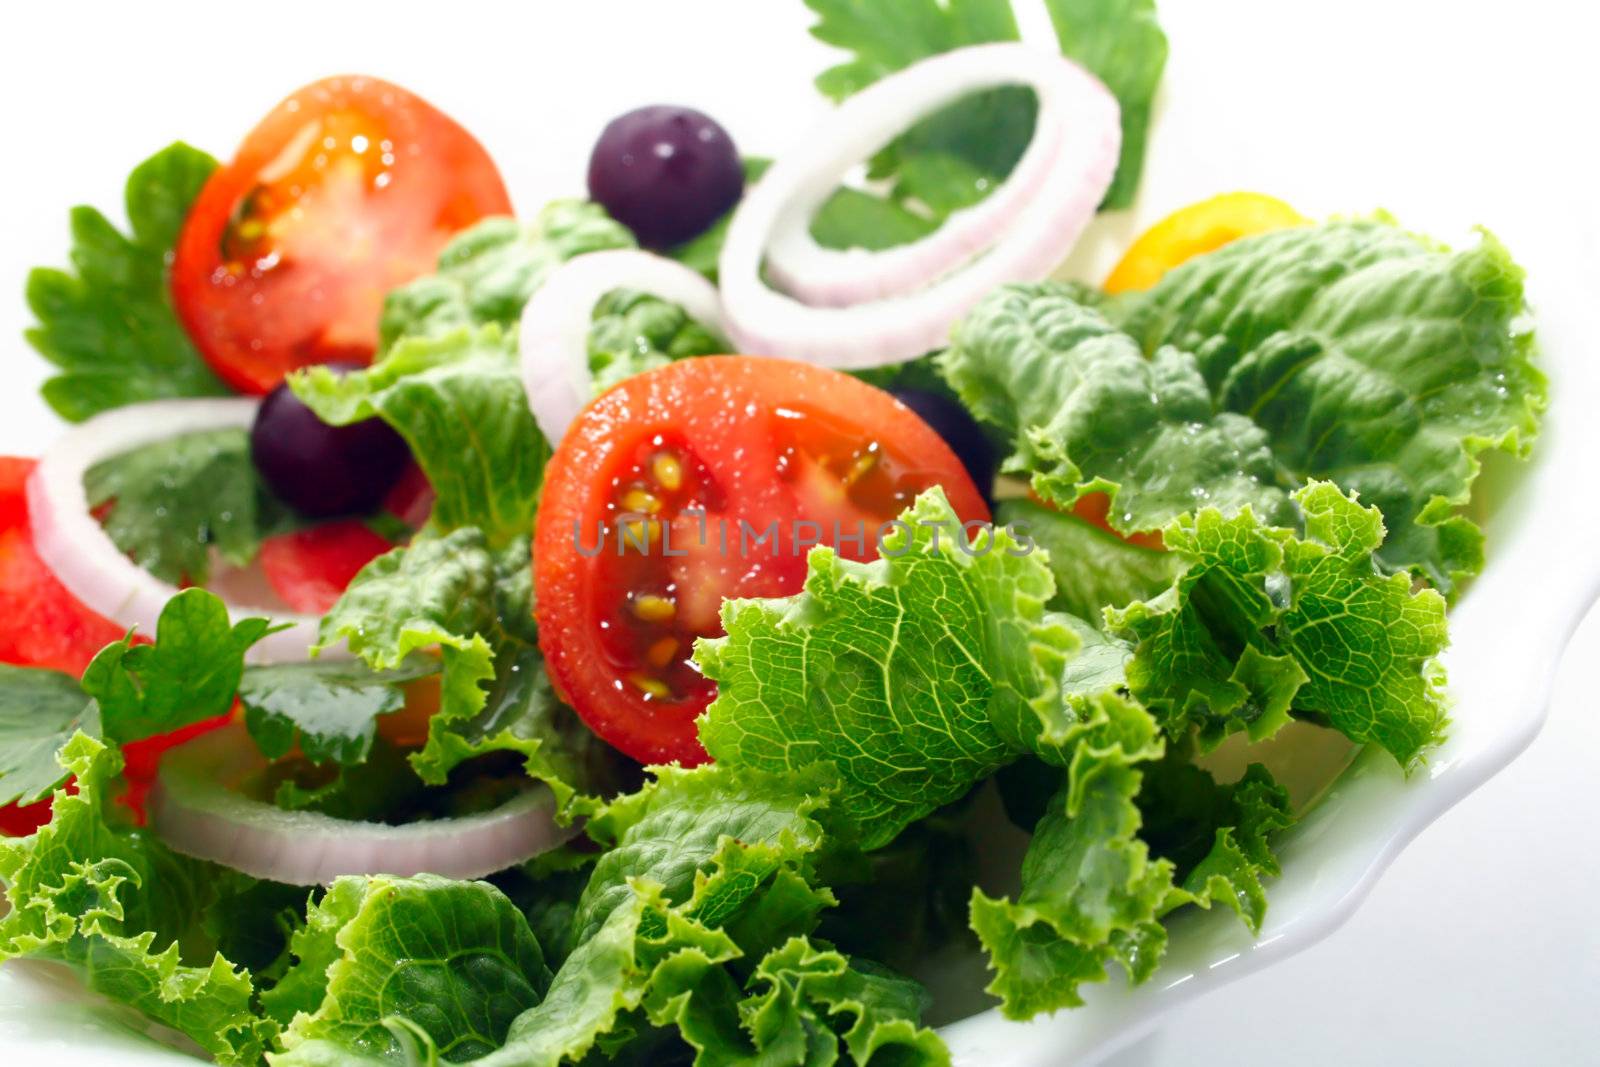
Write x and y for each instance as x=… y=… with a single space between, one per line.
x=41 y=624
x=20 y=820
x=348 y=188
x=310 y=569
x=761 y=430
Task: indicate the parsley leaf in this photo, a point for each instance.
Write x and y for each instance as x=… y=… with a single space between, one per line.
x=951 y=159
x=330 y=709
x=169 y=504
x=108 y=324
x=190 y=673
x=40 y=710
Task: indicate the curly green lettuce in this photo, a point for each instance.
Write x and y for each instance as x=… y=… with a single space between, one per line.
x=1093 y=895
x=1265 y=623
x=114 y=904
x=474 y=604
x=1371 y=357
x=913 y=676
x=487 y=273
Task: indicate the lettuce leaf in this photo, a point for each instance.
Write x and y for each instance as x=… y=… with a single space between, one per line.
x=113 y=903
x=951 y=159
x=487 y=273
x=40 y=710
x=1089 y=413
x=913 y=676
x=1092 y=895
x=413 y=958
x=634 y=332
x=1264 y=621
x=108 y=324
x=458 y=400
x=1371 y=357
x=475 y=604
x=191 y=672
x=1092 y=568
x=170 y=504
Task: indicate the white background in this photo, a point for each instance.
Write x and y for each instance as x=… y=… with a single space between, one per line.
x=1481 y=945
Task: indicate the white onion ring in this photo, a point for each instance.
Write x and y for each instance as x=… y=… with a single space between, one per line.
x=88 y=563
x=902 y=301
x=195 y=809
x=554 y=337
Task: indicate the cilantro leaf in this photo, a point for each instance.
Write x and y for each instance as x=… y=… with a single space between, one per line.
x=169 y=504
x=112 y=903
x=913 y=676
x=952 y=158
x=329 y=709
x=1371 y=357
x=1264 y=621
x=108 y=324
x=487 y=273
x=40 y=710
x=190 y=673
x=458 y=400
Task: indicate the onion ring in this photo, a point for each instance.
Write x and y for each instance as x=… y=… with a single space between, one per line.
x=197 y=811
x=887 y=307
x=88 y=563
x=554 y=336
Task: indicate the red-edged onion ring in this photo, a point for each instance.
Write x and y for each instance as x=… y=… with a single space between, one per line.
x=196 y=810
x=901 y=302
x=84 y=559
x=554 y=338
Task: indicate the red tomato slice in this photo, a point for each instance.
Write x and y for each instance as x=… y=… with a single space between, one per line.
x=345 y=190
x=41 y=624
x=624 y=581
x=310 y=569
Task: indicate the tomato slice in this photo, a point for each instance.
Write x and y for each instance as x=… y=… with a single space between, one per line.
x=762 y=457
x=41 y=624
x=310 y=569
x=348 y=188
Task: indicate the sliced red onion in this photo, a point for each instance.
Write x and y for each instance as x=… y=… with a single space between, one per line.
x=88 y=563
x=861 y=309
x=554 y=337
x=196 y=809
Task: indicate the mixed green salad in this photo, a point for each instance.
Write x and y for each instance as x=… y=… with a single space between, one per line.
x=429 y=645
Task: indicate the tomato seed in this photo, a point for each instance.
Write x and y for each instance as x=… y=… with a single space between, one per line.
x=662 y=652
x=650 y=608
x=668 y=472
x=654 y=688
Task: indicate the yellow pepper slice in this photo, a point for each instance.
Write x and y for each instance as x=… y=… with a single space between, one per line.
x=1194 y=230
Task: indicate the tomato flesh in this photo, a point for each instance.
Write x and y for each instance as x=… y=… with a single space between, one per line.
x=41 y=624
x=310 y=569
x=705 y=480
x=347 y=189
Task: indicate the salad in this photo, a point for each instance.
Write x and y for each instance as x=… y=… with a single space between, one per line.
x=691 y=621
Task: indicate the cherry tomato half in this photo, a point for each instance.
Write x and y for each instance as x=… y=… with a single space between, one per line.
x=654 y=510
x=345 y=190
